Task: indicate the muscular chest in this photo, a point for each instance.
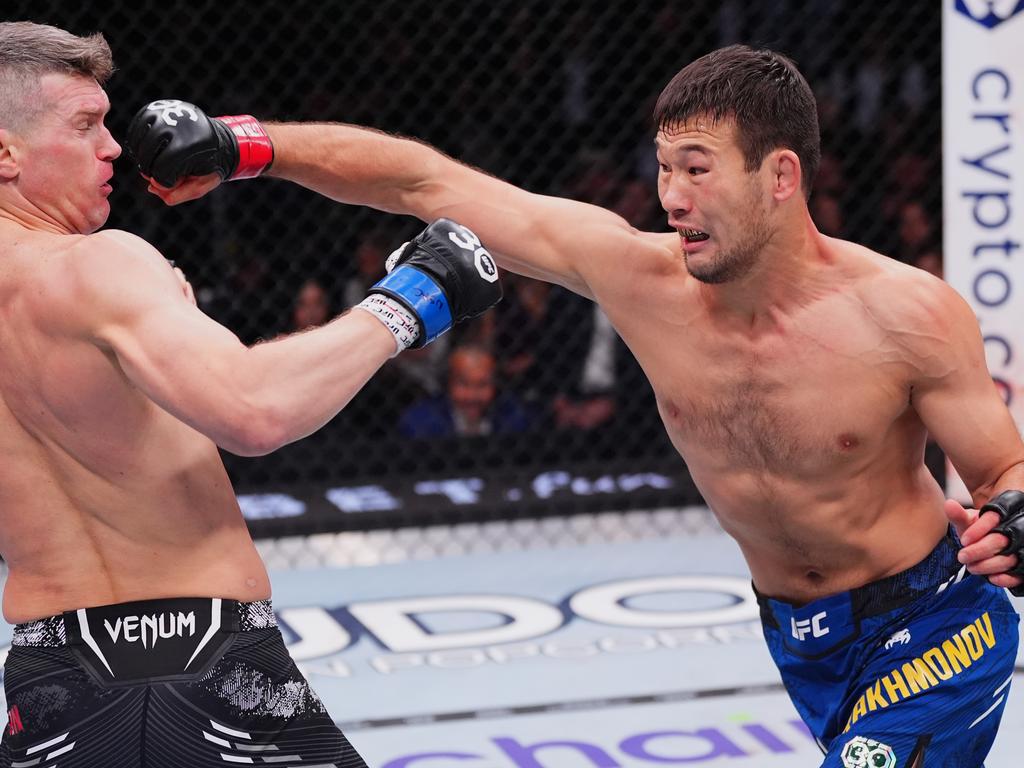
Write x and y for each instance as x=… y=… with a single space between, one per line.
x=795 y=402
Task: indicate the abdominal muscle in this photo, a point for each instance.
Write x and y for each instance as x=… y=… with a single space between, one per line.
x=803 y=541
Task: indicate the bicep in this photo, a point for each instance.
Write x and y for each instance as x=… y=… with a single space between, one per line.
x=548 y=238
x=974 y=429
x=962 y=408
x=123 y=297
x=180 y=359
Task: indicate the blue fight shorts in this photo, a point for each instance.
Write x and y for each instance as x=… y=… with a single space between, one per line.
x=909 y=671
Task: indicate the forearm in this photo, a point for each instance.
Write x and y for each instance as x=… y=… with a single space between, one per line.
x=529 y=234
x=303 y=380
x=359 y=166
x=1012 y=478
x=535 y=235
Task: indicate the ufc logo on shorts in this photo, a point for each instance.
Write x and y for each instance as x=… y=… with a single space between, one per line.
x=812 y=625
x=169 y=109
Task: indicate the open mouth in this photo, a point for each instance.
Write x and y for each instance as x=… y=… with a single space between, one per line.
x=694 y=235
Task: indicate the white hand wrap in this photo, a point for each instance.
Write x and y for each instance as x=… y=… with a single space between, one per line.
x=396 y=318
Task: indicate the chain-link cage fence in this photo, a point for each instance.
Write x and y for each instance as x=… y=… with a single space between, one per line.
x=554 y=96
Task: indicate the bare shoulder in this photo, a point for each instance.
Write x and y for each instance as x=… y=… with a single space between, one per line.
x=662 y=247
x=903 y=297
x=617 y=260
x=921 y=314
x=100 y=273
x=114 y=247
x=643 y=253
x=113 y=258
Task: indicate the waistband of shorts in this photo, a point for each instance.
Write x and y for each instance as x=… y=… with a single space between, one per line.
x=933 y=575
x=52 y=632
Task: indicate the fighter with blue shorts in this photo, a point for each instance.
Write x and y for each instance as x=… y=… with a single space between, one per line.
x=910 y=670
x=799 y=376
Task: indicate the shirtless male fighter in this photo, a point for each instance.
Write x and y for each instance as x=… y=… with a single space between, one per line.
x=144 y=630
x=797 y=375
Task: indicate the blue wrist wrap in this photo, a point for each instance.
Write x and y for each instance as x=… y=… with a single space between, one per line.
x=418 y=291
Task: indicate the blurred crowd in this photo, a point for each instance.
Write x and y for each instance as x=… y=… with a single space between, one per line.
x=556 y=98
x=547 y=359
x=544 y=359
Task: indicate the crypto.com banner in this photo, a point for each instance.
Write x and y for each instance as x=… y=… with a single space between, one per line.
x=983 y=176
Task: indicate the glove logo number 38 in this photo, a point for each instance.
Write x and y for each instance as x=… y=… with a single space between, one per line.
x=484 y=262
x=169 y=109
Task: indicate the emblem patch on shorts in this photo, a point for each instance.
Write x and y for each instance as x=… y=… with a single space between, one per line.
x=867 y=753
x=898 y=638
x=14 y=724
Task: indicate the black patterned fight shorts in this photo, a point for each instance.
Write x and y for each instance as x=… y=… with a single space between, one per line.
x=175 y=683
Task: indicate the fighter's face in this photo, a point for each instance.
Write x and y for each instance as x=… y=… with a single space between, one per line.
x=471 y=384
x=719 y=209
x=66 y=157
x=311 y=306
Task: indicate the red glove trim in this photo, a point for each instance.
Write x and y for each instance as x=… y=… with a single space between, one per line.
x=255 y=151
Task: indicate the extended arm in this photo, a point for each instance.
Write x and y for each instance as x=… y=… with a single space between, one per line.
x=251 y=400
x=539 y=236
x=248 y=400
x=553 y=239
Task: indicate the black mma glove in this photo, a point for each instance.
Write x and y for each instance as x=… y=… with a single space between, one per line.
x=171 y=139
x=440 y=277
x=1009 y=505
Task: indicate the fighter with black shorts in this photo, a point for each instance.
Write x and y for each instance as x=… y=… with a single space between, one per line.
x=173 y=683
x=144 y=635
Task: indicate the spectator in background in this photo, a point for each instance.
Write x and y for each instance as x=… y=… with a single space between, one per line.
x=915 y=233
x=591 y=400
x=558 y=351
x=527 y=350
x=909 y=178
x=413 y=376
x=470 y=406
x=587 y=397
x=559 y=354
x=241 y=301
x=930 y=261
x=638 y=204
x=827 y=214
x=371 y=251
x=311 y=307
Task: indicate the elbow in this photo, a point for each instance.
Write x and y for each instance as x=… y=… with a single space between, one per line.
x=256 y=432
x=1012 y=477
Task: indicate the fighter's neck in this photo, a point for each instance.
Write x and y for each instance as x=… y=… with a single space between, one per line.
x=31 y=218
x=790 y=272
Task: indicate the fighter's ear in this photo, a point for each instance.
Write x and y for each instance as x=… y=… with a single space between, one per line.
x=785 y=167
x=8 y=156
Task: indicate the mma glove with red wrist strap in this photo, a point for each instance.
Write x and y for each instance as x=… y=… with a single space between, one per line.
x=172 y=139
x=1009 y=505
